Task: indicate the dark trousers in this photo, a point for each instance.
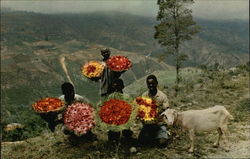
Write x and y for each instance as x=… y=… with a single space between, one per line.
x=148 y=134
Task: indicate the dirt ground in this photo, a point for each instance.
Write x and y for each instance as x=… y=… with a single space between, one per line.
x=238 y=148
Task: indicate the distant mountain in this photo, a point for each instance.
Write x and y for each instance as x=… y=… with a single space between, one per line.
x=6 y=10
x=225 y=42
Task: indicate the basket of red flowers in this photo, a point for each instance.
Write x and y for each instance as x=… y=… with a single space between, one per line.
x=119 y=63
x=116 y=114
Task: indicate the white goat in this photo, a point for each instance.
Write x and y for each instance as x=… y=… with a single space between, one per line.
x=200 y=120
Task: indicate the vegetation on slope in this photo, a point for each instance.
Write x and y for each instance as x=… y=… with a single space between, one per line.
x=228 y=88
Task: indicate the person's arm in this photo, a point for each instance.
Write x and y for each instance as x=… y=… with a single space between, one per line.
x=165 y=102
x=81 y=98
x=145 y=94
x=61 y=97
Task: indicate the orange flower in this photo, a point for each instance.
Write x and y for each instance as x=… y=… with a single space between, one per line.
x=48 y=104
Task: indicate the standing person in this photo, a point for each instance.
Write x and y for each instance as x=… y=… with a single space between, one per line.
x=156 y=132
x=108 y=76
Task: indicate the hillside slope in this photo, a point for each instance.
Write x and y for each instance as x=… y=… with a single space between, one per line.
x=27 y=78
x=196 y=94
x=224 y=42
x=32 y=45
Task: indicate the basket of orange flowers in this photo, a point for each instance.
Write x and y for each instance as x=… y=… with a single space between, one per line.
x=93 y=70
x=48 y=108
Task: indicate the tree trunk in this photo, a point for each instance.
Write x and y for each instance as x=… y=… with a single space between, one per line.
x=177 y=78
x=177 y=69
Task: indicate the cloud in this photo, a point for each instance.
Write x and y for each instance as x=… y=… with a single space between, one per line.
x=221 y=9
x=212 y=9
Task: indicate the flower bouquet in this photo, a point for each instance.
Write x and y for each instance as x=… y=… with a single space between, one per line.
x=49 y=108
x=147 y=110
x=92 y=70
x=117 y=113
x=79 y=118
x=119 y=63
x=47 y=105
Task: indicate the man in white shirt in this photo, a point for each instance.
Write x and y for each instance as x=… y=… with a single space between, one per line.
x=69 y=95
x=156 y=132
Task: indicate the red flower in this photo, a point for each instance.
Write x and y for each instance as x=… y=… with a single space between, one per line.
x=91 y=68
x=152 y=113
x=141 y=114
x=119 y=63
x=147 y=108
x=116 y=112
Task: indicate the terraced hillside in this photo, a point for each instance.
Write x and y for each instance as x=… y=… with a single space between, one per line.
x=224 y=42
x=32 y=45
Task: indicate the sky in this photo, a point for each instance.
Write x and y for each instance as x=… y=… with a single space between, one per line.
x=208 y=9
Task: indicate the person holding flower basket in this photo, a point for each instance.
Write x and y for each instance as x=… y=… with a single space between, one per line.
x=78 y=120
x=114 y=66
x=151 y=104
x=48 y=109
x=106 y=71
x=117 y=113
x=78 y=117
x=69 y=97
x=51 y=109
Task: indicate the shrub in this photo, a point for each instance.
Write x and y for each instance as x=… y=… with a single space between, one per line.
x=242 y=110
x=244 y=105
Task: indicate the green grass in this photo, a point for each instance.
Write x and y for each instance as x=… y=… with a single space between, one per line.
x=165 y=78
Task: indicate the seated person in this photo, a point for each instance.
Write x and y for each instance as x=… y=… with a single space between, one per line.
x=155 y=133
x=69 y=95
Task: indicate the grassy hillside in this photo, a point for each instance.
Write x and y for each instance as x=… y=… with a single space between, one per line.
x=32 y=44
x=230 y=89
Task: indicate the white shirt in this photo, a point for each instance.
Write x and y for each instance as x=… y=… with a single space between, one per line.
x=77 y=98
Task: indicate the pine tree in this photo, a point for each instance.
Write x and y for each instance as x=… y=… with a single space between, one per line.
x=176 y=25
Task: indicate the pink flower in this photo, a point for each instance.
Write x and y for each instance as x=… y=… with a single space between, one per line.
x=79 y=118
